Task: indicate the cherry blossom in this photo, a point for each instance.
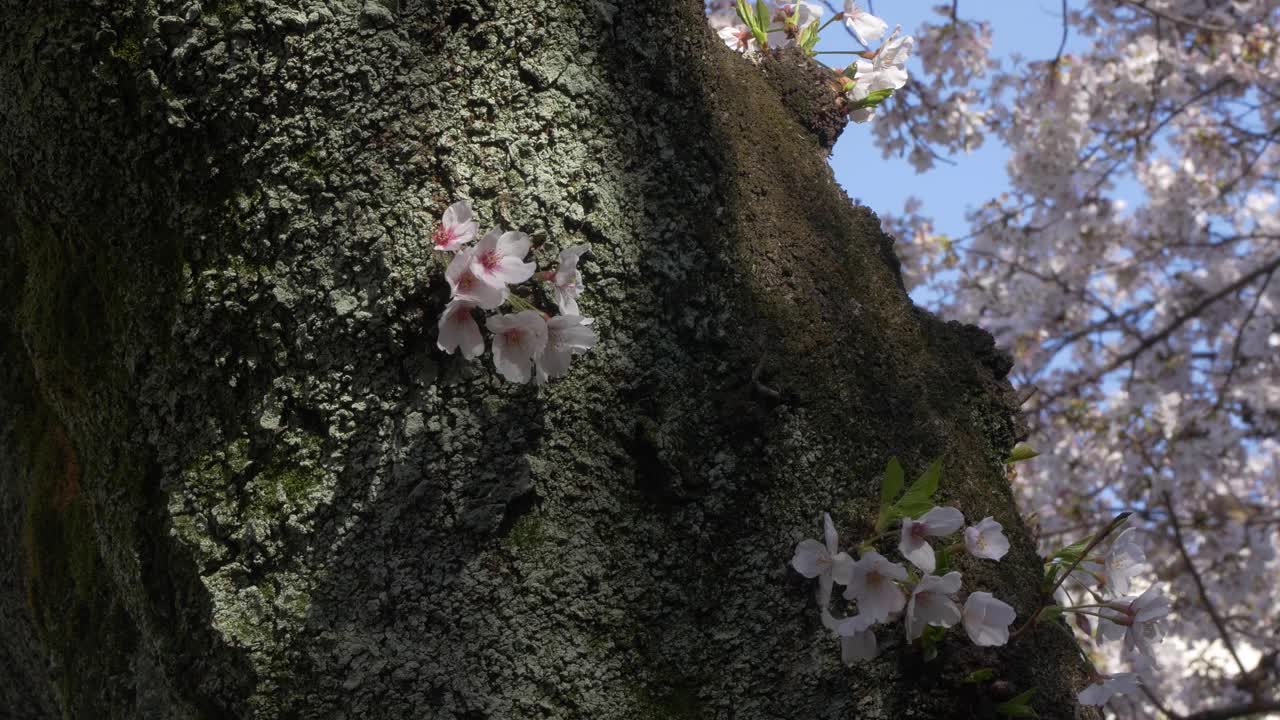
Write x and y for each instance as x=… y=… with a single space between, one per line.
x=567 y=279
x=938 y=522
x=867 y=28
x=456 y=228
x=931 y=604
x=1125 y=560
x=1110 y=685
x=886 y=72
x=1136 y=619
x=517 y=339
x=987 y=619
x=465 y=285
x=986 y=540
x=498 y=259
x=857 y=639
x=567 y=335
x=823 y=560
x=738 y=37
x=458 y=330
x=872 y=584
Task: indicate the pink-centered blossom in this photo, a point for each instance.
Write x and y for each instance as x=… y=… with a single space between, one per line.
x=738 y=37
x=872 y=584
x=937 y=522
x=823 y=560
x=1136 y=620
x=567 y=279
x=986 y=540
x=517 y=339
x=498 y=258
x=987 y=619
x=458 y=330
x=456 y=228
x=931 y=604
x=465 y=285
x=866 y=27
x=567 y=335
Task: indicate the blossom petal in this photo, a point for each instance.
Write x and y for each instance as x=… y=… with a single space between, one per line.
x=942 y=521
x=809 y=554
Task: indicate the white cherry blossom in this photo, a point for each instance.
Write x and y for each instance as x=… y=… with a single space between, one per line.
x=567 y=279
x=931 y=604
x=517 y=339
x=823 y=560
x=1116 y=684
x=465 y=285
x=986 y=540
x=873 y=583
x=938 y=522
x=987 y=619
x=1136 y=620
x=738 y=37
x=1124 y=561
x=498 y=259
x=867 y=28
x=567 y=335
x=458 y=330
x=456 y=228
x=857 y=639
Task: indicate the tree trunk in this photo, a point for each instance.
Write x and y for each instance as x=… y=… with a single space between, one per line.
x=239 y=479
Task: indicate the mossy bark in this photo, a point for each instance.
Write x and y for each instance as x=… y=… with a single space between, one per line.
x=239 y=480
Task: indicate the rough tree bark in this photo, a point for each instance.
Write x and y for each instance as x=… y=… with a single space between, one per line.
x=239 y=480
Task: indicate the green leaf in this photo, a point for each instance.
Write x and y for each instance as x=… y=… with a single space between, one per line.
x=943 y=564
x=892 y=483
x=1050 y=613
x=1072 y=552
x=874 y=98
x=763 y=14
x=1050 y=575
x=747 y=17
x=809 y=37
x=911 y=508
x=979 y=676
x=1017 y=706
x=929 y=640
x=1020 y=453
x=919 y=497
x=890 y=487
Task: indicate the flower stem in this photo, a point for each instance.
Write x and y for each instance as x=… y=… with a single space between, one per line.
x=1111 y=526
x=837 y=16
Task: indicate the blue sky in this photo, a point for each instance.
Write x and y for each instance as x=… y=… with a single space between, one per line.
x=1032 y=28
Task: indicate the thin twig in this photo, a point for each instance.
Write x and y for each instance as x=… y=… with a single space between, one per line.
x=1195 y=577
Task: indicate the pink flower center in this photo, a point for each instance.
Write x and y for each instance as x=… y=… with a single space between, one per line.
x=466 y=281
x=919 y=530
x=514 y=336
x=489 y=260
x=874 y=579
x=443 y=236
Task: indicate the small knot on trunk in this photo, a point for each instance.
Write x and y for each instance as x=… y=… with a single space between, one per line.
x=810 y=91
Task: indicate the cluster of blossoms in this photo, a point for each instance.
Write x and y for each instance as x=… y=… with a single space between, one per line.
x=1107 y=579
x=924 y=595
x=866 y=83
x=527 y=343
x=884 y=591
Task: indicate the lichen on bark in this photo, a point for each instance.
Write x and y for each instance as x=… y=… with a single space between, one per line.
x=302 y=509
